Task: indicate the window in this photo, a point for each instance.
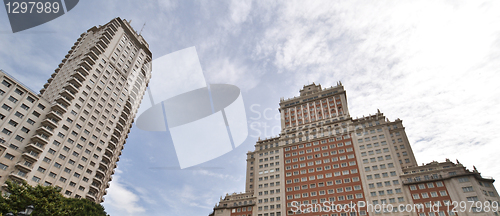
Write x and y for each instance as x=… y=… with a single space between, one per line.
x=25 y=130
x=19 y=138
x=13 y=123
x=467 y=189
x=9 y=156
x=41 y=169
x=46 y=160
x=5 y=131
x=36 y=179
x=5 y=83
x=13 y=99
x=30 y=99
x=3 y=166
x=35 y=113
x=30 y=121
x=6 y=107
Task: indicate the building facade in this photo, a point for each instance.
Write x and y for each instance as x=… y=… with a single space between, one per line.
x=326 y=163
x=71 y=134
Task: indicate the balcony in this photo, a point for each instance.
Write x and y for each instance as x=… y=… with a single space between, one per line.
x=124 y=115
x=112 y=145
x=110 y=31
x=59 y=107
x=126 y=110
x=100 y=172
x=89 y=61
x=117 y=132
x=107 y=151
x=105 y=37
x=83 y=70
x=102 y=44
x=31 y=156
x=119 y=125
x=96 y=50
x=122 y=120
x=71 y=87
x=106 y=159
x=93 y=55
x=50 y=122
x=48 y=131
x=68 y=94
x=40 y=138
x=20 y=176
x=26 y=166
x=35 y=148
x=94 y=187
x=63 y=100
x=98 y=179
x=90 y=197
x=75 y=82
x=114 y=138
x=78 y=75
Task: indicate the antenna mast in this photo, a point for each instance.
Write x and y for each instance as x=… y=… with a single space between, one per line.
x=142 y=28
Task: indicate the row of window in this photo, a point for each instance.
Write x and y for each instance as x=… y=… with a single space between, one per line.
x=327 y=175
x=330 y=183
x=432 y=194
x=388 y=192
x=327 y=167
x=324 y=148
x=381 y=166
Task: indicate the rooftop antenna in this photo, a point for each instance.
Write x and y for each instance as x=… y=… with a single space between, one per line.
x=142 y=28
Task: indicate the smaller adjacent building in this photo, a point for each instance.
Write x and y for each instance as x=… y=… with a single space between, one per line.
x=447 y=188
x=236 y=204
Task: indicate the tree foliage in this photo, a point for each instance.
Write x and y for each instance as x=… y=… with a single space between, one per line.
x=47 y=200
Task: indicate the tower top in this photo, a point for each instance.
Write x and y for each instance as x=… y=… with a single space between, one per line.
x=310 y=89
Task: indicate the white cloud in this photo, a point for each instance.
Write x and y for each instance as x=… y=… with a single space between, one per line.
x=186 y=199
x=167 y=5
x=121 y=199
x=231 y=71
x=429 y=63
x=225 y=177
x=240 y=10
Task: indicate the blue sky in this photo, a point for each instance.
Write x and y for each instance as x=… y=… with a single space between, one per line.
x=434 y=64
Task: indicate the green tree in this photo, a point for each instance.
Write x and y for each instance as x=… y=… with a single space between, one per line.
x=47 y=200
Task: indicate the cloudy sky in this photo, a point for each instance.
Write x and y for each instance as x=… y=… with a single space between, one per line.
x=433 y=64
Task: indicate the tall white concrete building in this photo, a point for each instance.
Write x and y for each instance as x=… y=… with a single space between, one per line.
x=71 y=134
